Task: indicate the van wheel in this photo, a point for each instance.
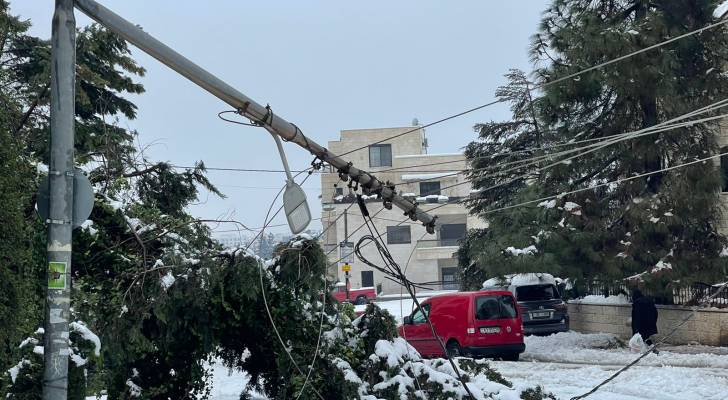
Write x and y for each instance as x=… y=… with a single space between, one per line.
x=511 y=357
x=361 y=299
x=453 y=349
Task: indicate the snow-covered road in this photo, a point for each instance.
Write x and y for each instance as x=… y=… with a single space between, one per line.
x=569 y=364
x=639 y=383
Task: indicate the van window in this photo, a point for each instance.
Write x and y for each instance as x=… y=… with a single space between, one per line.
x=494 y=307
x=537 y=292
x=418 y=317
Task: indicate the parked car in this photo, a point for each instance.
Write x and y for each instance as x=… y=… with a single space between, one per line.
x=356 y=296
x=481 y=324
x=542 y=308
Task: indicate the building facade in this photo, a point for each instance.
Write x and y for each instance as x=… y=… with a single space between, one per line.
x=433 y=180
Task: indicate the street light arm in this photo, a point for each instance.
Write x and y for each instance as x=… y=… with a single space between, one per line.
x=247 y=107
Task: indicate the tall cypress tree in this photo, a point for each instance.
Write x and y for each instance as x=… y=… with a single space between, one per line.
x=665 y=223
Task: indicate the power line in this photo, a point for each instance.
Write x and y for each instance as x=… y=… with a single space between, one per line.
x=560 y=195
x=662 y=127
x=265 y=299
x=701 y=160
x=549 y=83
x=393 y=271
x=652 y=348
x=592 y=149
x=604 y=142
x=599 y=144
x=256 y=228
x=242 y=169
x=263 y=187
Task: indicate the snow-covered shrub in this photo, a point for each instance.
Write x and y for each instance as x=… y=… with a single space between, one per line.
x=376 y=364
x=24 y=379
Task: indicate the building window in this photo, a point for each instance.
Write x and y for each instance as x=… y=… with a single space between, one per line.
x=398 y=234
x=449 y=278
x=367 y=279
x=338 y=191
x=380 y=155
x=450 y=234
x=428 y=188
x=724 y=169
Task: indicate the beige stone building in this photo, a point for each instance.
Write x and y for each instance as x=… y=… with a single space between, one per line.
x=426 y=178
x=722 y=140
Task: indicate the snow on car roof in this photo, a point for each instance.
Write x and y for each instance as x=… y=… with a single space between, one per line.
x=537 y=278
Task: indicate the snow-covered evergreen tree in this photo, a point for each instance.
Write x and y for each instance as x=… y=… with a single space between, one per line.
x=665 y=223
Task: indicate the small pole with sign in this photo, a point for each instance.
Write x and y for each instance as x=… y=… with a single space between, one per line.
x=347 y=252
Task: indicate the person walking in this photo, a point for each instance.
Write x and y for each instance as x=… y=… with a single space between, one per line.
x=644 y=316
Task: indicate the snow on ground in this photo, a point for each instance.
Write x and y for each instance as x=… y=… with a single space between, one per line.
x=397 y=308
x=604 y=349
x=570 y=363
x=638 y=383
x=721 y=9
x=227 y=384
x=421 y=294
x=597 y=299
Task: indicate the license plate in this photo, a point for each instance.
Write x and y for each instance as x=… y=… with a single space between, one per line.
x=490 y=329
x=540 y=314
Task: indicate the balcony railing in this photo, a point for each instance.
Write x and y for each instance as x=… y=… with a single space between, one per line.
x=438 y=243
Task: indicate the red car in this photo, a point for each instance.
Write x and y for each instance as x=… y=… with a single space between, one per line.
x=356 y=296
x=486 y=323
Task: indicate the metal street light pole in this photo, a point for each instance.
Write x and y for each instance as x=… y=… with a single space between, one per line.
x=60 y=217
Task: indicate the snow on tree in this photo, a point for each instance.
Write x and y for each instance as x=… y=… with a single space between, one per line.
x=667 y=217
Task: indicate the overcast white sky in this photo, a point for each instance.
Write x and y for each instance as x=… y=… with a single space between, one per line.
x=324 y=65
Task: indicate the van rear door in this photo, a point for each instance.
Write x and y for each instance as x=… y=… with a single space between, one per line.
x=496 y=320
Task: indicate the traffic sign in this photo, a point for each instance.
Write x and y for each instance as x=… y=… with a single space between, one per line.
x=83 y=198
x=346 y=267
x=346 y=252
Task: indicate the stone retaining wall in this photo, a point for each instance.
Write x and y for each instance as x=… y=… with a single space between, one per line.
x=708 y=326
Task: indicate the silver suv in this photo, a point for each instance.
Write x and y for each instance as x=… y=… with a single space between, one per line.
x=542 y=308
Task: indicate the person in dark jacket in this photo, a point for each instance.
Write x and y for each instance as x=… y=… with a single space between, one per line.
x=644 y=316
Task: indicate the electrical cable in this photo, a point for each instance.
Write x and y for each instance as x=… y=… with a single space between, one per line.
x=401 y=306
x=318 y=339
x=600 y=144
x=251 y=124
x=360 y=244
x=393 y=270
x=265 y=299
x=659 y=128
x=549 y=83
x=506 y=153
x=653 y=348
x=563 y=194
x=241 y=169
x=560 y=195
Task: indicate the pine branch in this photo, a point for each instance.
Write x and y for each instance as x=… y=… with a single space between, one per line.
x=32 y=108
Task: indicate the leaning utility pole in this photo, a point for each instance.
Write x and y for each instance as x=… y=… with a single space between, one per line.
x=247 y=107
x=60 y=216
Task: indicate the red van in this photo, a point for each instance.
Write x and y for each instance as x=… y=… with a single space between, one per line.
x=486 y=323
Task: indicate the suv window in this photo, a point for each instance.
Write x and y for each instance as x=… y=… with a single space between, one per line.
x=494 y=307
x=537 y=293
x=418 y=317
